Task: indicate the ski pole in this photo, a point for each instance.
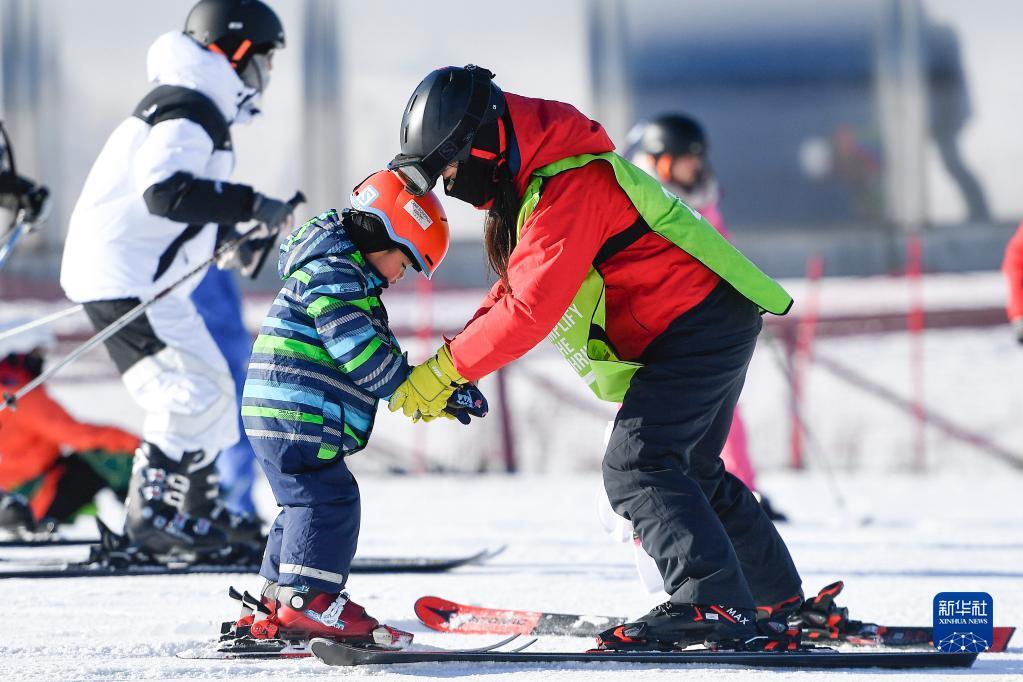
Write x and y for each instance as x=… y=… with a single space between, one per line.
x=41 y=322
x=11 y=401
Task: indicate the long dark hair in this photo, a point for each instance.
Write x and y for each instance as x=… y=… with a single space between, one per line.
x=499 y=227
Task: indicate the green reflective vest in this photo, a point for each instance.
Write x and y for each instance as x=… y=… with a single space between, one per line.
x=579 y=336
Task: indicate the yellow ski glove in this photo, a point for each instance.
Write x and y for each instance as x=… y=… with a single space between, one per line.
x=425 y=393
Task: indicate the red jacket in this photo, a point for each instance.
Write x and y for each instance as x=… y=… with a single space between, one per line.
x=1012 y=267
x=32 y=436
x=649 y=283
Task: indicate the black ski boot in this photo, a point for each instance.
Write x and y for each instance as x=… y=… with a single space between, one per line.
x=778 y=630
x=203 y=499
x=15 y=515
x=677 y=626
x=156 y=521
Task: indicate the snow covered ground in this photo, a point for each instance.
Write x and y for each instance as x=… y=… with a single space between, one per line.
x=903 y=539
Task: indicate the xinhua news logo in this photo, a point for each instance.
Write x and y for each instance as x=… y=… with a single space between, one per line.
x=963 y=621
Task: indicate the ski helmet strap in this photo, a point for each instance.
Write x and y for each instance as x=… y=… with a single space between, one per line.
x=433 y=164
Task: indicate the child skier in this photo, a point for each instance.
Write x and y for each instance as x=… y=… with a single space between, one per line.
x=323 y=359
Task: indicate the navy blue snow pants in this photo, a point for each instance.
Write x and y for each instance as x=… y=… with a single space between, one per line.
x=314 y=537
x=662 y=470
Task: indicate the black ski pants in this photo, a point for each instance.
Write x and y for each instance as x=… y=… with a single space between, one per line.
x=662 y=470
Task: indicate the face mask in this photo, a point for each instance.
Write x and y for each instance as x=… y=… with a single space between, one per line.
x=474 y=183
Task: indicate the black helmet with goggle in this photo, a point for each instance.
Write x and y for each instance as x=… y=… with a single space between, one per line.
x=441 y=120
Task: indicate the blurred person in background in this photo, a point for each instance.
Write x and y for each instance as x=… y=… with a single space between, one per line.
x=219 y=302
x=1012 y=268
x=155 y=204
x=673 y=148
x=47 y=456
x=649 y=304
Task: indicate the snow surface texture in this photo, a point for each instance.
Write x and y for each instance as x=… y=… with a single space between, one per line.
x=904 y=539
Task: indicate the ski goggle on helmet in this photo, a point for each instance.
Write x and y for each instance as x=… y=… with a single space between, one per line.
x=418 y=225
x=441 y=120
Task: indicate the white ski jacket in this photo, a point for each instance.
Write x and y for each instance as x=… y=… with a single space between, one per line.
x=151 y=204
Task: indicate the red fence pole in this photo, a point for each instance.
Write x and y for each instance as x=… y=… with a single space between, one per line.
x=915 y=326
x=806 y=331
x=507 y=432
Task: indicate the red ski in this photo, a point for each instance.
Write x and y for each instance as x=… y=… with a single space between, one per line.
x=448 y=616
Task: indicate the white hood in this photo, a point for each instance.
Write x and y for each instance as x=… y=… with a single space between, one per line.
x=176 y=59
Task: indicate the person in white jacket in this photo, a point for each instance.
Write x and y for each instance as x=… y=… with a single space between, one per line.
x=155 y=205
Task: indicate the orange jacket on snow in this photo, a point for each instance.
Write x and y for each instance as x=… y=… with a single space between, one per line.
x=33 y=436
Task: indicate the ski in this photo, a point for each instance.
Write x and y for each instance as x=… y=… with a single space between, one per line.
x=448 y=616
x=47 y=541
x=259 y=649
x=333 y=653
x=908 y=635
x=72 y=569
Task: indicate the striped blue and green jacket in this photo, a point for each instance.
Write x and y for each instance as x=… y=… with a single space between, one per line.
x=324 y=355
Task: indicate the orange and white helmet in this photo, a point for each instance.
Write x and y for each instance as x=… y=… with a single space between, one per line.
x=418 y=225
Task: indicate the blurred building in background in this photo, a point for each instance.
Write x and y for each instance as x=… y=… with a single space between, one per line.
x=836 y=128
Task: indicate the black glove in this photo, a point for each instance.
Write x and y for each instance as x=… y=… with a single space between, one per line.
x=273 y=213
x=465 y=401
x=21 y=194
x=36 y=204
x=248 y=256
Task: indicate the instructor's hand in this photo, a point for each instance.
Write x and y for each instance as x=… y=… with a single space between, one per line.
x=274 y=213
x=424 y=394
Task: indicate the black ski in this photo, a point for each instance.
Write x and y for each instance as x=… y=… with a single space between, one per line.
x=47 y=541
x=333 y=653
x=448 y=616
x=359 y=565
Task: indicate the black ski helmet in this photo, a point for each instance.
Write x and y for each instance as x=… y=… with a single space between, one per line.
x=672 y=134
x=238 y=29
x=441 y=120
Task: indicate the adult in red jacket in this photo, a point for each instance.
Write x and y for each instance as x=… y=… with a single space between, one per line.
x=1012 y=268
x=689 y=333
x=59 y=462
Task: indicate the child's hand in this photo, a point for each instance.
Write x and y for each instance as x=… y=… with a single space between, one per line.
x=467 y=400
x=424 y=394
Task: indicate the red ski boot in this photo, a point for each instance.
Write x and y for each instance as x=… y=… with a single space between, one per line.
x=306 y=613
